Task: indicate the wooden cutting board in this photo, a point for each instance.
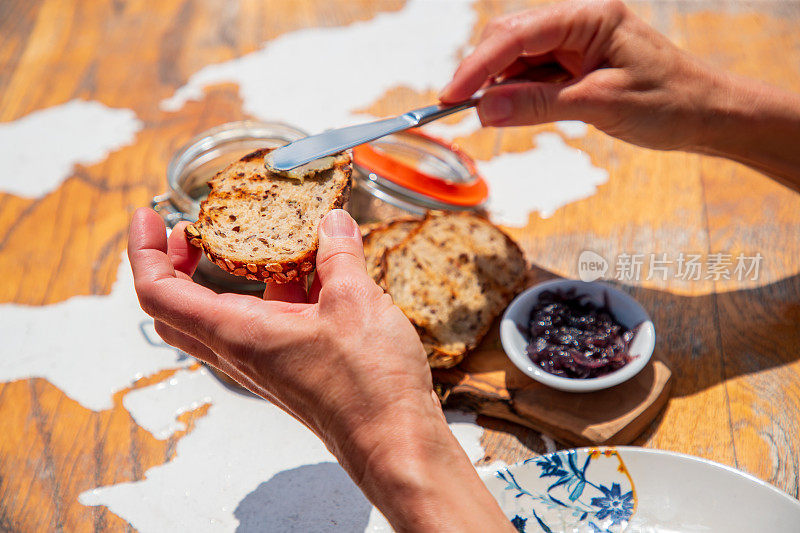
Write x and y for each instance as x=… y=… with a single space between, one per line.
x=488 y=383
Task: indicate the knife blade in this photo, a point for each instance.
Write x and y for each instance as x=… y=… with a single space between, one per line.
x=330 y=142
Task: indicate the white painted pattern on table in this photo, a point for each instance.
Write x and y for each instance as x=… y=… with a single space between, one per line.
x=41 y=149
x=543 y=179
x=246 y=465
x=409 y=48
x=316 y=78
x=90 y=347
x=247 y=462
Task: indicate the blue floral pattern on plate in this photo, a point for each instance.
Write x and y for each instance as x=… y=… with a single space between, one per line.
x=571 y=490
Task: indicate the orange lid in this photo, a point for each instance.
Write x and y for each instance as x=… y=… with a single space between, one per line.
x=468 y=194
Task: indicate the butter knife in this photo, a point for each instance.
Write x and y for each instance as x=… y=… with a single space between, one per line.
x=330 y=142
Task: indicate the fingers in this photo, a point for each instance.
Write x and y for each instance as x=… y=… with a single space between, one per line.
x=341 y=285
x=148 y=232
x=292 y=292
x=147 y=247
x=182 y=255
x=200 y=351
x=187 y=343
x=529 y=103
x=218 y=321
x=579 y=27
x=341 y=253
x=528 y=33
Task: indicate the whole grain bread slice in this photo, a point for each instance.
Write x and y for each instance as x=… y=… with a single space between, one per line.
x=381 y=237
x=452 y=276
x=260 y=225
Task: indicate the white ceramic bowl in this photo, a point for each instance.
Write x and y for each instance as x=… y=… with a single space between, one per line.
x=625 y=309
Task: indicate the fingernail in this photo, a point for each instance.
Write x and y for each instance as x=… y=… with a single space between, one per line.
x=495 y=109
x=338 y=223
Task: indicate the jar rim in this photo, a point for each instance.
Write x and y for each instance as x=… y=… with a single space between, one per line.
x=462 y=187
x=208 y=140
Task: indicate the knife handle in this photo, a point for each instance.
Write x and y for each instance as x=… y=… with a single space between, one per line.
x=548 y=72
x=423 y=115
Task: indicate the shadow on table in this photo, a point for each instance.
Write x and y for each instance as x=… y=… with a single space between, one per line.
x=318 y=497
x=708 y=339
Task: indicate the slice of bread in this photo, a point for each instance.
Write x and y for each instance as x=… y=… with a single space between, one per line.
x=381 y=237
x=262 y=226
x=452 y=276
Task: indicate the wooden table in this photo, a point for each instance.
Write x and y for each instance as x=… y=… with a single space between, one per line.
x=733 y=346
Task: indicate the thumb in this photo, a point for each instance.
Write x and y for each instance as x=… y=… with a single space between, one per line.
x=340 y=254
x=521 y=104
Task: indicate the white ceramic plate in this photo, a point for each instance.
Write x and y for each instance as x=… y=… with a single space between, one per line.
x=638 y=490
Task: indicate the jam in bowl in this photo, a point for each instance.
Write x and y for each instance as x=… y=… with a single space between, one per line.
x=577 y=336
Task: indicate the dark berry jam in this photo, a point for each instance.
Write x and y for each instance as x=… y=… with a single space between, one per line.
x=574 y=338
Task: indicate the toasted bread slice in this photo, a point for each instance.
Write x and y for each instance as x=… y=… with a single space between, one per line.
x=263 y=226
x=451 y=277
x=381 y=237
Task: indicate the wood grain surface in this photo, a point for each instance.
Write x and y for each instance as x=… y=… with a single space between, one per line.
x=733 y=346
x=488 y=384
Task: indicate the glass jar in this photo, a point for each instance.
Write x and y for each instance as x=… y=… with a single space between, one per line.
x=409 y=173
x=198 y=161
x=403 y=174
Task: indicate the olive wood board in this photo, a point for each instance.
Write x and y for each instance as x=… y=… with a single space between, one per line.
x=488 y=383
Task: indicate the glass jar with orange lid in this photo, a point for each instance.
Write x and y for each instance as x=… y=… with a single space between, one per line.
x=409 y=173
x=198 y=161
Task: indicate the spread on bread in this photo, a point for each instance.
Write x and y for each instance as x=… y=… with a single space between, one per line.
x=309 y=169
x=262 y=226
x=451 y=274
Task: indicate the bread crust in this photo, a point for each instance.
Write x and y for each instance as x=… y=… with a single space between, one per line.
x=265 y=270
x=439 y=356
x=374 y=231
x=374 y=227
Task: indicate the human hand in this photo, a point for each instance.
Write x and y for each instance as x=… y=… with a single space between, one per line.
x=627 y=79
x=340 y=357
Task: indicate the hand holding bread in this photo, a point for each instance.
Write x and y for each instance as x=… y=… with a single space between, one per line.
x=341 y=358
x=339 y=355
